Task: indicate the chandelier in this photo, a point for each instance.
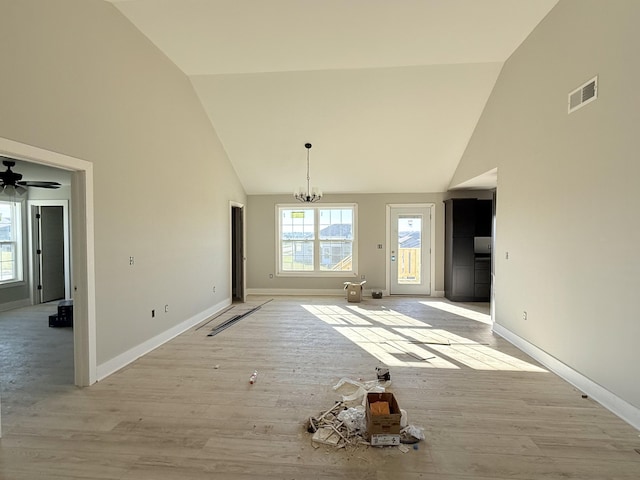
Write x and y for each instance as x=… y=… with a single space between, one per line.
x=308 y=196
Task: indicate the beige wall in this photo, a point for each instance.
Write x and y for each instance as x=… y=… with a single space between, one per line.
x=79 y=79
x=261 y=237
x=567 y=209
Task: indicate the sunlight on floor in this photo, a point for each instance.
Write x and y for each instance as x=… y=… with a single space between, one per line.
x=398 y=340
x=460 y=311
x=334 y=315
x=388 y=317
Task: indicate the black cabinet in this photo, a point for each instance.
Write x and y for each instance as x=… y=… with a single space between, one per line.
x=483 y=218
x=467 y=270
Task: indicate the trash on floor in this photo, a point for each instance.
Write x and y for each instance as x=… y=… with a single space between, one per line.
x=366 y=415
x=383 y=374
x=411 y=434
x=353 y=391
x=383 y=419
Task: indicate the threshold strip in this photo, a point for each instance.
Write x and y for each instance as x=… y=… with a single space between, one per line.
x=236 y=318
x=215 y=316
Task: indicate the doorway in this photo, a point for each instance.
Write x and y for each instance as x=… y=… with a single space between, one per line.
x=49 y=247
x=410 y=239
x=82 y=257
x=237 y=253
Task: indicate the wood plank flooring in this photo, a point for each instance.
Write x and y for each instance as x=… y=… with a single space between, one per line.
x=187 y=410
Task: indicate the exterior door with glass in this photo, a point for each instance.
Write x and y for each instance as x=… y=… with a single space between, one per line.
x=410 y=250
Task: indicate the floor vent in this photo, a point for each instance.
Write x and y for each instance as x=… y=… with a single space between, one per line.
x=584 y=94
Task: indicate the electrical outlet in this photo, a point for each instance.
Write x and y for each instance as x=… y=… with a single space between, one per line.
x=506 y=255
x=271 y=275
x=214 y=289
x=379 y=246
x=524 y=315
x=166 y=308
x=131 y=261
x=362 y=277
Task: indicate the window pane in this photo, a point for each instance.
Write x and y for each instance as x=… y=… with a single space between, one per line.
x=336 y=224
x=297 y=256
x=317 y=239
x=297 y=224
x=409 y=248
x=336 y=256
x=6 y=222
x=9 y=228
x=7 y=261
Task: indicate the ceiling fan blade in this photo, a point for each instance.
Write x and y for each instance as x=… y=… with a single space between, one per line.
x=39 y=184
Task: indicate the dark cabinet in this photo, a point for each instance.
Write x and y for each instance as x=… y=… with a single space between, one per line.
x=467 y=276
x=483 y=218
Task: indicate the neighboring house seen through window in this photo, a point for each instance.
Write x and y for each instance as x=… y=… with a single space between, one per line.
x=317 y=240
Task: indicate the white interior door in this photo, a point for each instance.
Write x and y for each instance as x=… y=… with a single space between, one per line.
x=410 y=250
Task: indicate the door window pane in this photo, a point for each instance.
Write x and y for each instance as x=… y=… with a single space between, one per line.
x=409 y=249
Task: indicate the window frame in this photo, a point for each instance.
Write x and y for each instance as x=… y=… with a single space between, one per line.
x=17 y=230
x=317 y=272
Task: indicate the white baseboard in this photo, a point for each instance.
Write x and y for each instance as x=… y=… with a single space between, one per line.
x=604 y=397
x=25 y=302
x=107 y=368
x=319 y=292
x=296 y=291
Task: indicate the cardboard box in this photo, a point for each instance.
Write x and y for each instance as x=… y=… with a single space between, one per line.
x=354 y=291
x=383 y=429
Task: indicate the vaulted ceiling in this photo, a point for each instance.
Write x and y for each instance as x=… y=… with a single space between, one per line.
x=388 y=92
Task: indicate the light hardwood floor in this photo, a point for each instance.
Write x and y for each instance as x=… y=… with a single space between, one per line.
x=489 y=411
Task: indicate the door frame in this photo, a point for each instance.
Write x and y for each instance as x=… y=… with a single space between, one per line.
x=33 y=265
x=82 y=251
x=432 y=242
x=241 y=255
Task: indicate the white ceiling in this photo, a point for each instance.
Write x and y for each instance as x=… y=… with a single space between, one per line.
x=388 y=92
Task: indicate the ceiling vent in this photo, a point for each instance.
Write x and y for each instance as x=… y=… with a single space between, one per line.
x=584 y=94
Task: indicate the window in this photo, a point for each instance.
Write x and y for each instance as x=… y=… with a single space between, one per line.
x=10 y=242
x=317 y=240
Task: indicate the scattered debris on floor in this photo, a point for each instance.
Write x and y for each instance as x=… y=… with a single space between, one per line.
x=366 y=415
x=383 y=374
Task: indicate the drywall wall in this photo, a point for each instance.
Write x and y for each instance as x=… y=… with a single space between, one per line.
x=80 y=80
x=62 y=193
x=261 y=238
x=567 y=193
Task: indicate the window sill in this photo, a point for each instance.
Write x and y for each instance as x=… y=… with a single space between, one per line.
x=12 y=284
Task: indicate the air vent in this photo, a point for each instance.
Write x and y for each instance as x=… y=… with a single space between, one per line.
x=584 y=94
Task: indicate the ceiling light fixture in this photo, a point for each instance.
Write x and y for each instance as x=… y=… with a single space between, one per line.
x=308 y=196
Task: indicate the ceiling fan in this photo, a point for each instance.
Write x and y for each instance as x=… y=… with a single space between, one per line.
x=11 y=182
